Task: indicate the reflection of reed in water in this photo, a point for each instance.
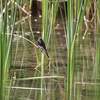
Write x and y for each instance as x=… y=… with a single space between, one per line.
x=36 y=22
x=35 y=19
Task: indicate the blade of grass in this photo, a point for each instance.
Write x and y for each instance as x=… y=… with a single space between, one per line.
x=96 y=73
x=4 y=52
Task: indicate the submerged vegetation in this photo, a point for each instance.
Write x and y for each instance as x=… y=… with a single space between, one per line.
x=71 y=32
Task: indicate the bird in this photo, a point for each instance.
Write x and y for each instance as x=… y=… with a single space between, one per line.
x=42 y=46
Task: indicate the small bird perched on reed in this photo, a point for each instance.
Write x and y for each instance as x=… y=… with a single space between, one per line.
x=41 y=45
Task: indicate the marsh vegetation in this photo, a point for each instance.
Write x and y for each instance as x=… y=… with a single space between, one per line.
x=71 y=32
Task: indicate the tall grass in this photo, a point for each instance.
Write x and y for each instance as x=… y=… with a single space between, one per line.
x=7 y=21
x=48 y=79
x=5 y=44
x=49 y=10
x=75 y=33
